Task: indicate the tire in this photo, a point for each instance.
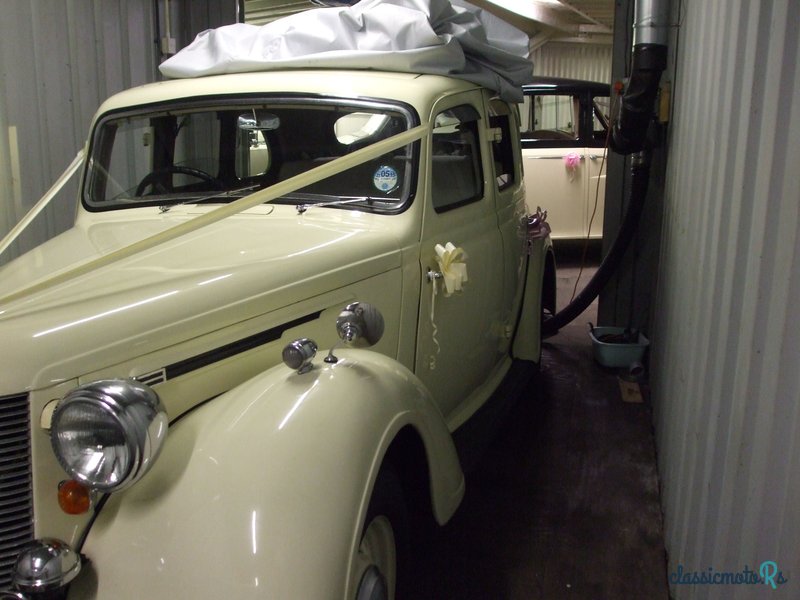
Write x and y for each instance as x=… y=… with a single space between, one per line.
x=380 y=557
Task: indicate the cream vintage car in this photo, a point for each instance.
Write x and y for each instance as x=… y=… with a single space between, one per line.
x=166 y=429
x=564 y=130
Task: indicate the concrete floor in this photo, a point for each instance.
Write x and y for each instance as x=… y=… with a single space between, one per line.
x=564 y=501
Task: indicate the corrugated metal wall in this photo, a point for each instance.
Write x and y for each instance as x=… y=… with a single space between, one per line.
x=726 y=345
x=59 y=60
x=576 y=61
x=259 y=12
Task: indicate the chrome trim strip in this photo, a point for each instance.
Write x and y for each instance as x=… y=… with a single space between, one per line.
x=259 y=339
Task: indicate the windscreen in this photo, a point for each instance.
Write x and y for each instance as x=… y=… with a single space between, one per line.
x=219 y=152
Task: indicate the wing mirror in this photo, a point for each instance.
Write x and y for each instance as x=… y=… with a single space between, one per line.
x=359 y=324
x=360 y=321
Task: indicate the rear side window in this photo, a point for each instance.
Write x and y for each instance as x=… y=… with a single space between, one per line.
x=502 y=149
x=550 y=117
x=457 y=177
x=601 y=110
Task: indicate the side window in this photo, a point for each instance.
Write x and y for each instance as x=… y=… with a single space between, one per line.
x=252 y=154
x=600 y=117
x=502 y=150
x=550 y=117
x=457 y=178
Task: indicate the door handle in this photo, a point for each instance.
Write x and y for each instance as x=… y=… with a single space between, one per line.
x=434 y=275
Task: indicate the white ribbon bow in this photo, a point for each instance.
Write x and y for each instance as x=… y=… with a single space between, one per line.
x=451 y=265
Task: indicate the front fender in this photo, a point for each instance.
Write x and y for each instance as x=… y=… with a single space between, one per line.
x=261 y=493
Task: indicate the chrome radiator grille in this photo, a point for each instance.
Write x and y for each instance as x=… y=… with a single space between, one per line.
x=16 y=495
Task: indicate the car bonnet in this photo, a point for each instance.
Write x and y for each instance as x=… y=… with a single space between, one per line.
x=228 y=272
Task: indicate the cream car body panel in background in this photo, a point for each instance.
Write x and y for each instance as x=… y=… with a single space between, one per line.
x=564 y=130
x=266 y=474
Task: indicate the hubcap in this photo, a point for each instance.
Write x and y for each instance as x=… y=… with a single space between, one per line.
x=376 y=562
x=372 y=586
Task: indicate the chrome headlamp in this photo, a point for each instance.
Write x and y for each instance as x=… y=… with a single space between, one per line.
x=106 y=434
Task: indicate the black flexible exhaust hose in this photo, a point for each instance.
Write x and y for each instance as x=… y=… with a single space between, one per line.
x=629 y=135
x=640 y=178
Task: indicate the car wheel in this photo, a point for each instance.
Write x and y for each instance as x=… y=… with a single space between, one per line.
x=382 y=541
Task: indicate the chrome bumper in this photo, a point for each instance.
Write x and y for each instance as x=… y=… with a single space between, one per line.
x=43 y=570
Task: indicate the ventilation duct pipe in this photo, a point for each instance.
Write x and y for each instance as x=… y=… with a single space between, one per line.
x=649 y=60
x=628 y=136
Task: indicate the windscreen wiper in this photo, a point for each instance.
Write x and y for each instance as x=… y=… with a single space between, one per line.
x=301 y=208
x=195 y=200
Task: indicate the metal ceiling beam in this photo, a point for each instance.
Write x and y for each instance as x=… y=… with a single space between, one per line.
x=602 y=28
x=599 y=39
x=540 y=39
x=529 y=10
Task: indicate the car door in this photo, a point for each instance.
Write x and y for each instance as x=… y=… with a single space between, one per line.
x=509 y=196
x=597 y=123
x=554 y=157
x=459 y=336
x=563 y=128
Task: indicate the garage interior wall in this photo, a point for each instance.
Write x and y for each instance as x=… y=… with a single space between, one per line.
x=726 y=339
x=58 y=62
x=575 y=61
x=259 y=12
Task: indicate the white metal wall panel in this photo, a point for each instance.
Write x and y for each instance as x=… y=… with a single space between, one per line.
x=58 y=61
x=726 y=346
x=575 y=61
x=194 y=16
x=259 y=12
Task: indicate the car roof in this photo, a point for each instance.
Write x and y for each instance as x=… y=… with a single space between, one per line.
x=414 y=89
x=561 y=84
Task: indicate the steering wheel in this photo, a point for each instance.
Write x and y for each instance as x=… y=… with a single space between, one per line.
x=152 y=179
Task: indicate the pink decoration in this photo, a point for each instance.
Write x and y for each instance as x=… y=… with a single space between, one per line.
x=572 y=160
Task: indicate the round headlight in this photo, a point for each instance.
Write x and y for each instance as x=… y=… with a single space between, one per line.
x=106 y=434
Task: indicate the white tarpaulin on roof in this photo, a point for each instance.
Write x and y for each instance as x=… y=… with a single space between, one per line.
x=416 y=36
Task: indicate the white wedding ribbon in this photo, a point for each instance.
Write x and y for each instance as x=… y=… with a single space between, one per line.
x=452 y=267
x=453 y=273
x=276 y=190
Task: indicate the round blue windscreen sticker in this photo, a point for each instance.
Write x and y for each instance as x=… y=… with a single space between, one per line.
x=385 y=178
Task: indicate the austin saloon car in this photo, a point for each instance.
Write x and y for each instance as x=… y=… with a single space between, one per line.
x=564 y=129
x=283 y=295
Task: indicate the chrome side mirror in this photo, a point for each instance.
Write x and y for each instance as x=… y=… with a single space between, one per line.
x=360 y=321
x=359 y=324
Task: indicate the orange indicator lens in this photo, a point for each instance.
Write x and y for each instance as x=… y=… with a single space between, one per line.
x=73 y=497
